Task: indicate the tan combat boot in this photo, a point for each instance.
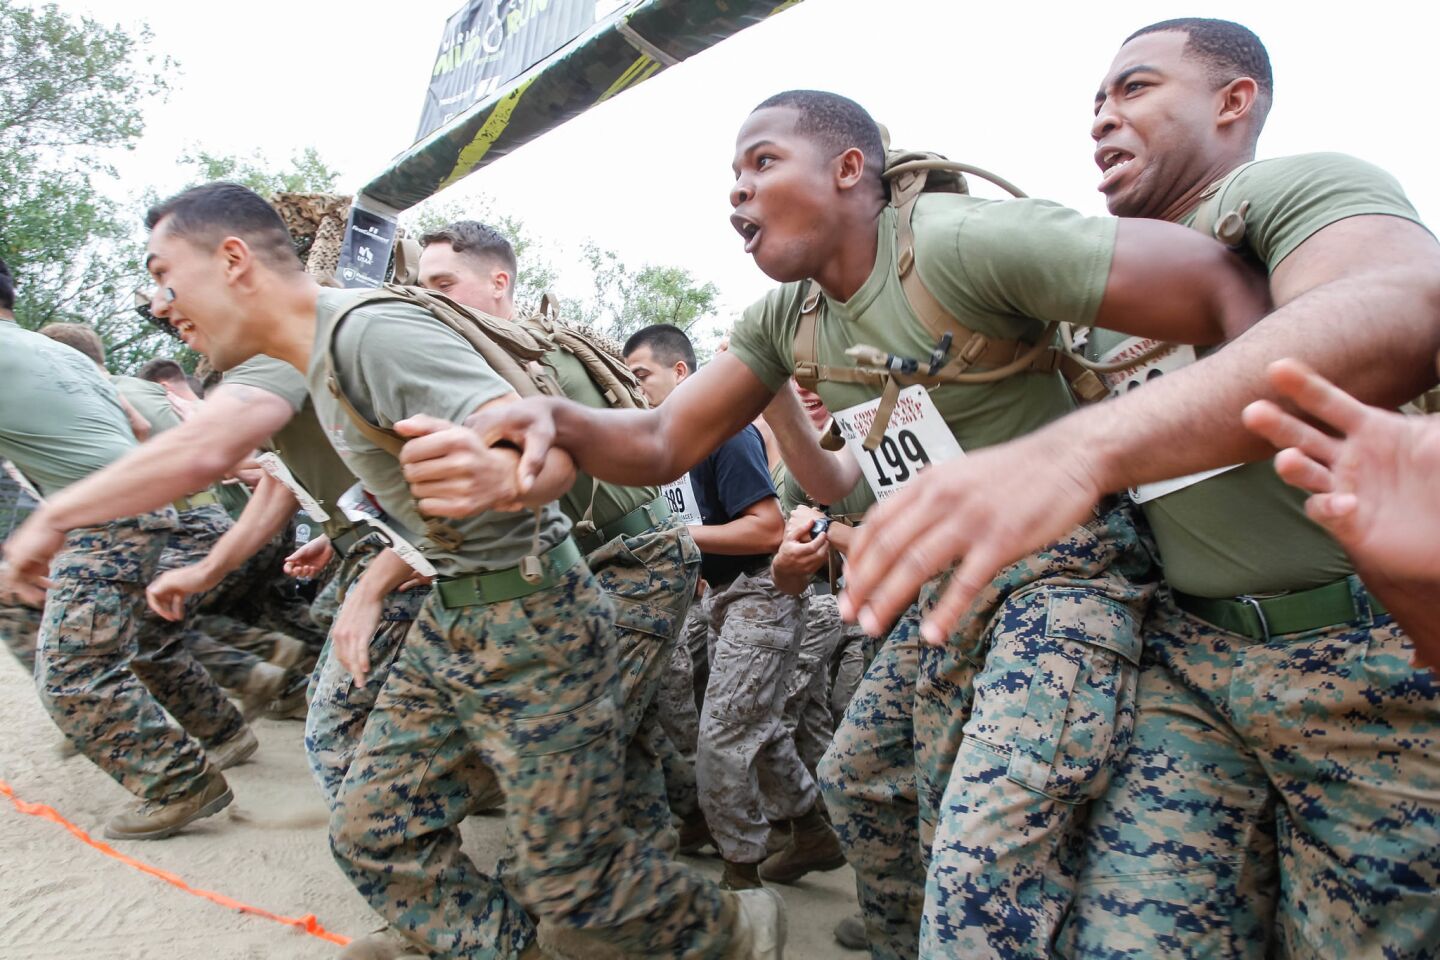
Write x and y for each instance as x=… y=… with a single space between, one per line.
x=234 y=751
x=265 y=682
x=740 y=876
x=154 y=820
x=813 y=846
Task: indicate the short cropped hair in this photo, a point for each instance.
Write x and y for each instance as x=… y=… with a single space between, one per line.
x=79 y=336
x=835 y=122
x=160 y=370
x=667 y=343
x=207 y=214
x=1226 y=49
x=476 y=239
x=7 y=287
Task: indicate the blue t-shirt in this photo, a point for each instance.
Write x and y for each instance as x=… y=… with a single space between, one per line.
x=733 y=478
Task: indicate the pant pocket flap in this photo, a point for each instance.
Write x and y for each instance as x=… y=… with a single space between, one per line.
x=1086 y=617
x=563 y=732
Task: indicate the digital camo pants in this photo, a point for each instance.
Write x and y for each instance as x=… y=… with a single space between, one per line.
x=746 y=766
x=104 y=698
x=528 y=688
x=1317 y=755
x=650 y=578
x=338 y=706
x=1013 y=726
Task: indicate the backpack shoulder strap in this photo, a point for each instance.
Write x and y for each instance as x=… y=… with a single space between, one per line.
x=387 y=440
x=601 y=357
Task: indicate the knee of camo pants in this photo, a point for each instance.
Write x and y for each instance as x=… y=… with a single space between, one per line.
x=1052 y=716
x=87 y=639
x=339 y=708
x=868 y=780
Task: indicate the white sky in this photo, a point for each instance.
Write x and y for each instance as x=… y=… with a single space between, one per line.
x=1006 y=85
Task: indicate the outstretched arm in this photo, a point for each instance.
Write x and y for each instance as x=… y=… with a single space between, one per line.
x=267 y=513
x=1358 y=301
x=630 y=447
x=178 y=462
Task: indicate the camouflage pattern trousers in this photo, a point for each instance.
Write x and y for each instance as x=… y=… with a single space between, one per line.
x=20 y=630
x=227 y=648
x=676 y=710
x=650 y=578
x=807 y=691
x=105 y=698
x=527 y=688
x=747 y=768
x=1317 y=755
x=960 y=775
x=339 y=707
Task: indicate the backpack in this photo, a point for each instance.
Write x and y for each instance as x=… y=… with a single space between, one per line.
x=909 y=174
x=602 y=357
x=511 y=350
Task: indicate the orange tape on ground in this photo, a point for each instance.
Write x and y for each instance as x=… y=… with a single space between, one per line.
x=308 y=923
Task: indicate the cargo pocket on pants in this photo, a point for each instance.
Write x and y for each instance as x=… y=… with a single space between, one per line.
x=1080 y=710
x=747 y=671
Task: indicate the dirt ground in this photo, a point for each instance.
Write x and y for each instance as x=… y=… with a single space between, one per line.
x=62 y=900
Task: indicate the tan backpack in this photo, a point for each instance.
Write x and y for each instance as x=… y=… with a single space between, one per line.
x=512 y=350
x=602 y=357
x=957 y=347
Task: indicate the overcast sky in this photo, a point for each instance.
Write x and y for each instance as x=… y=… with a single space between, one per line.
x=1009 y=86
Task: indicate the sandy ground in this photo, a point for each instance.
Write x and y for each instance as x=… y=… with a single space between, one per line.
x=62 y=900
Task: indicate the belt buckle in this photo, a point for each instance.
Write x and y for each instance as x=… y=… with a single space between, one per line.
x=1254 y=604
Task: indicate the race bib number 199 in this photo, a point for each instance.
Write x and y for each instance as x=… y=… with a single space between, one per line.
x=916 y=437
x=681 y=496
x=1124 y=381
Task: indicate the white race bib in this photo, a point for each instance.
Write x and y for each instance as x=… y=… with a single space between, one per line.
x=22 y=480
x=1176 y=358
x=358 y=508
x=681 y=495
x=916 y=437
x=274 y=466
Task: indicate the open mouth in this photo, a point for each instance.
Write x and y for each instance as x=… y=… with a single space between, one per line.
x=1112 y=162
x=748 y=229
x=186 y=330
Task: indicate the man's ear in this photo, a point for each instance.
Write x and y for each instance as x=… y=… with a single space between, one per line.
x=502 y=281
x=849 y=168
x=682 y=370
x=1236 y=100
x=235 y=253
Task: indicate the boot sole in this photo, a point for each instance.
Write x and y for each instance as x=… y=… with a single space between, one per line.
x=209 y=810
x=792 y=877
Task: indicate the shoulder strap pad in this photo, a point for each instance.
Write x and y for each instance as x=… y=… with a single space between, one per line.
x=602 y=358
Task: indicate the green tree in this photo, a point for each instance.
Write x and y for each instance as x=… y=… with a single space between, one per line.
x=307 y=173
x=70 y=90
x=626 y=300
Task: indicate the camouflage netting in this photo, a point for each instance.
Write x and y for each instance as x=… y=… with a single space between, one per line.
x=316 y=222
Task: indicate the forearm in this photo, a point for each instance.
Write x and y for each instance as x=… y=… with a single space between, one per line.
x=267 y=513
x=555 y=479
x=382 y=576
x=825 y=475
x=790 y=580
x=1351 y=331
x=743 y=536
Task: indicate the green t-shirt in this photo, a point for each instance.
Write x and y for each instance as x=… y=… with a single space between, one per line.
x=611 y=502
x=60 y=418
x=1244 y=531
x=394 y=360
x=1002 y=267
x=301 y=443
x=792 y=495
x=150 y=401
